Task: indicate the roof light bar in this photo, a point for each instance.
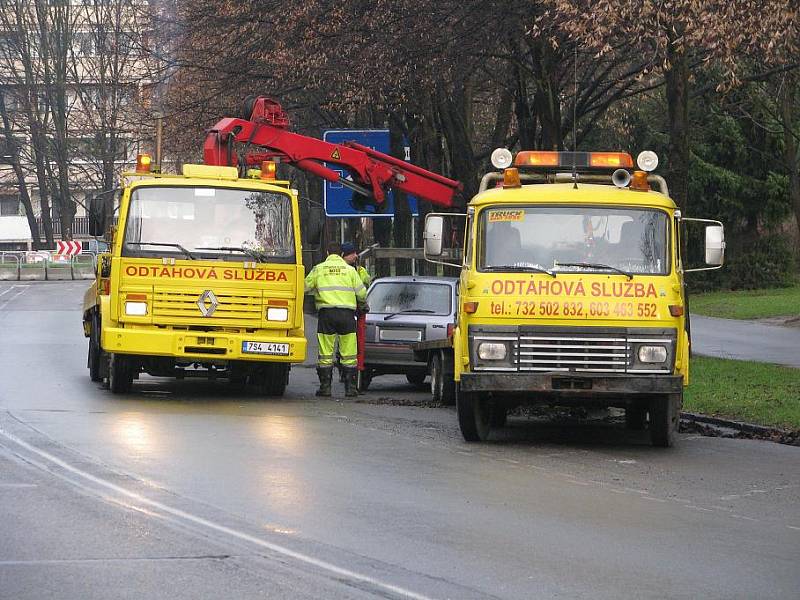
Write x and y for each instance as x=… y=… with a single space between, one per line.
x=583 y=160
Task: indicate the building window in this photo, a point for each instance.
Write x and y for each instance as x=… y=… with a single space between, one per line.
x=9 y=205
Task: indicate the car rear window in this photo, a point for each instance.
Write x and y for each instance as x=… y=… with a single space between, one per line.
x=410 y=297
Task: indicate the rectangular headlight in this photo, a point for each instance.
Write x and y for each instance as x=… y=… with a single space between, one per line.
x=136 y=309
x=278 y=313
x=652 y=354
x=492 y=351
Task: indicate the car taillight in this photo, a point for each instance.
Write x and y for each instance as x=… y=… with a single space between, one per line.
x=451 y=327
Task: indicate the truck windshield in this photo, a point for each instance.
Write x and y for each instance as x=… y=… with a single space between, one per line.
x=409 y=297
x=574 y=239
x=208 y=222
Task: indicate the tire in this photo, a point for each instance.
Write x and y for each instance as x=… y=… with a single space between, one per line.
x=665 y=410
x=272 y=379
x=363 y=379
x=237 y=379
x=635 y=417
x=473 y=415
x=95 y=358
x=120 y=374
x=442 y=384
x=416 y=378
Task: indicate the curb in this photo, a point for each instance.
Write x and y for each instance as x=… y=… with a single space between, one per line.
x=719 y=426
x=737 y=425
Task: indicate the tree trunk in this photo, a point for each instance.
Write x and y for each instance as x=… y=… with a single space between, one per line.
x=526 y=122
x=546 y=65
x=790 y=157
x=426 y=151
x=677 y=90
x=402 y=212
x=19 y=173
x=454 y=113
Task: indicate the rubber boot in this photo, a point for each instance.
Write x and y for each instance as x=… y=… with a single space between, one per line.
x=350 y=387
x=325 y=375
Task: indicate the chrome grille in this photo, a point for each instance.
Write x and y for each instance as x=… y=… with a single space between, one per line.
x=579 y=353
x=234 y=307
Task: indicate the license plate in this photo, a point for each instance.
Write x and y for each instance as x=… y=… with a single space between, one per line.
x=265 y=348
x=401 y=335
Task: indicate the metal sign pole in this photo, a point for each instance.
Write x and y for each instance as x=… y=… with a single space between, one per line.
x=413 y=244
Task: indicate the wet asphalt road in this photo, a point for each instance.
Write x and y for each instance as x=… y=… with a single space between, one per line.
x=746 y=340
x=186 y=490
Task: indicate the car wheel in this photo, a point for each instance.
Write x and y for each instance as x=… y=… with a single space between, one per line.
x=416 y=378
x=665 y=411
x=473 y=415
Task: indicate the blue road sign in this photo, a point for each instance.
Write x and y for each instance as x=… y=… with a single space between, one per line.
x=338 y=198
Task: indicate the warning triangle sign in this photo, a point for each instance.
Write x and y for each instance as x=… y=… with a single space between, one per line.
x=335 y=154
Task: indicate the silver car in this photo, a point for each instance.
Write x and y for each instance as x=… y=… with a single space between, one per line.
x=404 y=311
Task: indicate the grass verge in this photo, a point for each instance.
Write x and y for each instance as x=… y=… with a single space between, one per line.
x=759 y=393
x=748 y=304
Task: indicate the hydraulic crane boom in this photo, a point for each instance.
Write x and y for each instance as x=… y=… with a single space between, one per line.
x=372 y=173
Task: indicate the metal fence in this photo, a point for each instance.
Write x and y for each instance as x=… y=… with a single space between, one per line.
x=80 y=226
x=46 y=266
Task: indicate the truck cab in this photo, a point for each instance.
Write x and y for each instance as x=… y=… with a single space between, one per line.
x=572 y=292
x=203 y=277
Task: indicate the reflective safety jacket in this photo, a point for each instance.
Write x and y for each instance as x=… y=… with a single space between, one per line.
x=335 y=284
x=364 y=275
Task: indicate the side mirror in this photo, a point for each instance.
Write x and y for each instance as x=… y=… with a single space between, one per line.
x=434 y=225
x=715 y=245
x=97 y=216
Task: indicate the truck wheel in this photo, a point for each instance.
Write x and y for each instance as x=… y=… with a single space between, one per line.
x=237 y=379
x=665 y=410
x=95 y=358
x=120 y=374
x=363 y=379
x=416 y=378
x=473 y=415
x=635 y=417
x=272 y=379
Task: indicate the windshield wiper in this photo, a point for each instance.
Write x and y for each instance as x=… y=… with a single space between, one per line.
x=258 y=257
x=171 y=245
x=519 y=269
x=409 y=311
x=596 y=266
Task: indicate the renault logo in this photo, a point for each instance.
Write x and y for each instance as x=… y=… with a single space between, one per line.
x=207 y=303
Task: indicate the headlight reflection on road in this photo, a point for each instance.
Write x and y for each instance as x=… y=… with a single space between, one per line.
x=280 y=433
x=281 y=487
x=134 y=432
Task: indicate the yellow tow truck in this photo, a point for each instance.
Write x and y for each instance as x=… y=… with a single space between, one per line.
x=204 y=277
x=571 y=291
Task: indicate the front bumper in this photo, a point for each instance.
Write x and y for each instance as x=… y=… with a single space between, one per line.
x=198 y=345
x=568 y=384
x=390 y=355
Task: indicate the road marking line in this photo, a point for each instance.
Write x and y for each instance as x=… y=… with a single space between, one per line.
x=176 y=512
x=12 y=298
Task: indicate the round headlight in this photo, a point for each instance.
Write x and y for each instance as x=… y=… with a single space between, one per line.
x=502 y=158
x=647 y=160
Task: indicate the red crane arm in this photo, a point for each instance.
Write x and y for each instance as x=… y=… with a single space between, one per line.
x=372 y=173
